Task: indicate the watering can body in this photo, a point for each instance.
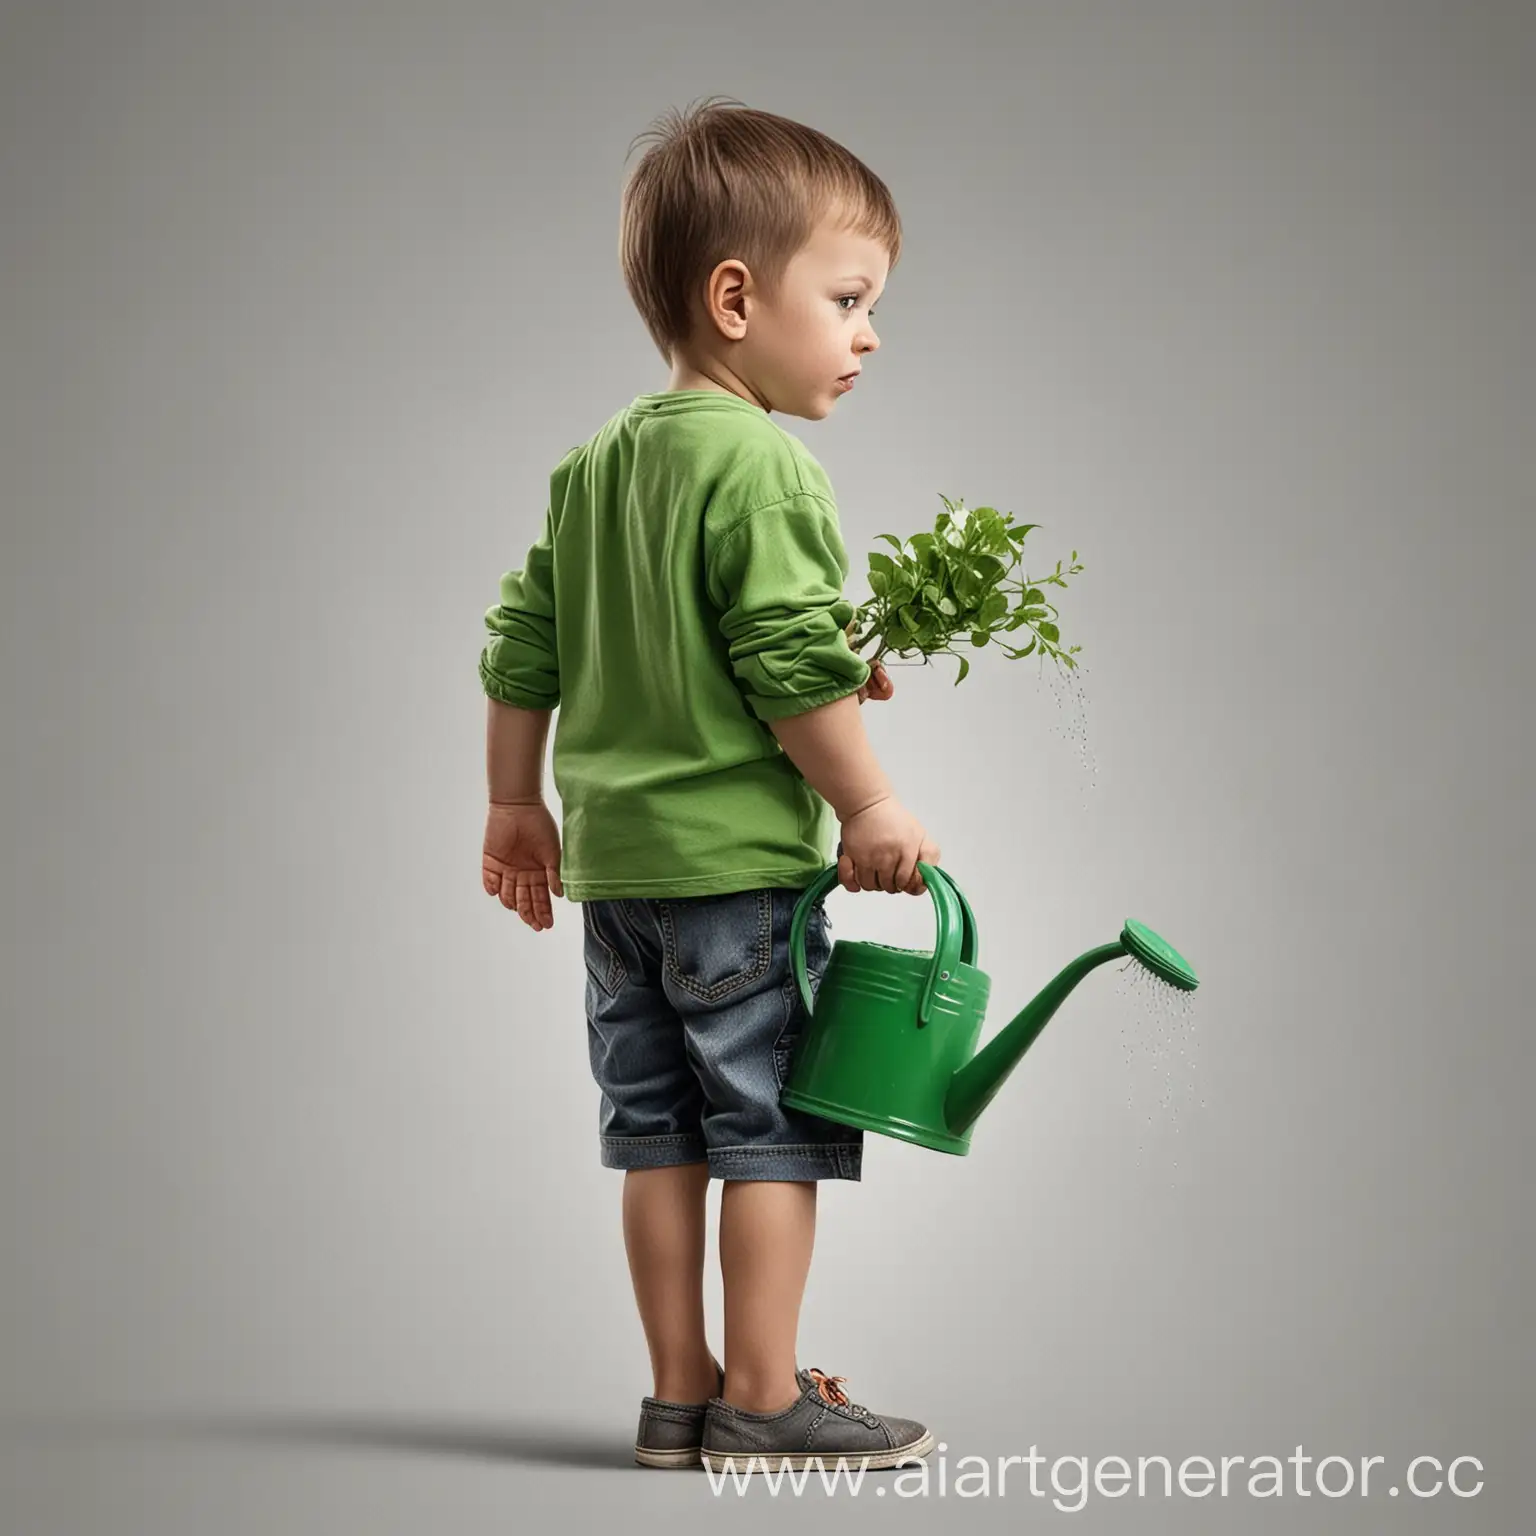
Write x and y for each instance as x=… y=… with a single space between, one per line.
x=890 y=1029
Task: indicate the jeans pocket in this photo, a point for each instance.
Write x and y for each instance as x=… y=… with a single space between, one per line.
x=714 y=946
x=604 y=963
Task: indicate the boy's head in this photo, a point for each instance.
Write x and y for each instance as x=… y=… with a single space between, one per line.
x=755 y=249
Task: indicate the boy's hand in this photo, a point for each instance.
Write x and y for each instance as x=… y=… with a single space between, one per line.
x=521 y=863
x=880 y=849
x=879 y=685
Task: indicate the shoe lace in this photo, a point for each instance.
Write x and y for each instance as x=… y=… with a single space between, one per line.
x=830 y=1392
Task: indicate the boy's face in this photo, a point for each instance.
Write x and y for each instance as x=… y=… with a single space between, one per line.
x=792 y=350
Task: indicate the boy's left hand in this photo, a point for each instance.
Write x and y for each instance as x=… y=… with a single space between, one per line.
x=879 y=685
x=521 y=862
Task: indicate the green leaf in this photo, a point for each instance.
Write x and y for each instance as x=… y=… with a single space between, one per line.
x=951 y=584
x=965 y=667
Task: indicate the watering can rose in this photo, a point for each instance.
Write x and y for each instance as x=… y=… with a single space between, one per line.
x=956 y=582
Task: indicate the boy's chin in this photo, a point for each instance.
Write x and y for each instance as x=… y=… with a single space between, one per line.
x=810 y=406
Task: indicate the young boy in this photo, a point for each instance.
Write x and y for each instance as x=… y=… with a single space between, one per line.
x=683 y=608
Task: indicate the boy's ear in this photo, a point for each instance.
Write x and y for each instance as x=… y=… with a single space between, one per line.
x=725 y=301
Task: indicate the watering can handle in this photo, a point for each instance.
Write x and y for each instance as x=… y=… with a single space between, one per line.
x=957 y=939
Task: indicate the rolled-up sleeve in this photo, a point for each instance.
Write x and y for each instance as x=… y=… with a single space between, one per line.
x=777 y=578
x=520 y=664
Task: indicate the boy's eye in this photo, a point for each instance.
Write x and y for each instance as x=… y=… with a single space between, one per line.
x=855 y=298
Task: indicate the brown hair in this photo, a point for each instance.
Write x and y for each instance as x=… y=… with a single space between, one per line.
x=725 y=180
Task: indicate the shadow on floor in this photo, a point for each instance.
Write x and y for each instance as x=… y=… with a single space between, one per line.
x=538 y=1443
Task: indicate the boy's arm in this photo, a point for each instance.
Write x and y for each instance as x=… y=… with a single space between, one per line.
x=829 y=747
x=520 y=675
x=777 y=577
x=514 y=753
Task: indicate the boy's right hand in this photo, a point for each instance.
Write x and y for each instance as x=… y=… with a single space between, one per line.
x=880 y=850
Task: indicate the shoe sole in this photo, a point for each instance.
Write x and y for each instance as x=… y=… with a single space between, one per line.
x=798 y=1461
x=685 y=1457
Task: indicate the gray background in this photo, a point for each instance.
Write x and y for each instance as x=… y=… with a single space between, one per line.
x=302 y=1219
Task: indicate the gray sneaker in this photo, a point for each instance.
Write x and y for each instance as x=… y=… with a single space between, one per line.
x=669 y=1433
x=821 y=1427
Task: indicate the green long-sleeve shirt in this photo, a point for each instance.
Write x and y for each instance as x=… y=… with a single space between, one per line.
x=686 y=587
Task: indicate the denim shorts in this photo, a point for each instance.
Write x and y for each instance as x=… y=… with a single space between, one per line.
x=693 y=1015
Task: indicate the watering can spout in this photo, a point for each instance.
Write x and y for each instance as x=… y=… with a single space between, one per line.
x=891 y=1044
x=972 y=1087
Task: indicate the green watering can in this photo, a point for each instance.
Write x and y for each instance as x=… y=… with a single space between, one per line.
x=891 y=1041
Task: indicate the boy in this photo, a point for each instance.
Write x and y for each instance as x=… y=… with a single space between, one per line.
x=683 y=607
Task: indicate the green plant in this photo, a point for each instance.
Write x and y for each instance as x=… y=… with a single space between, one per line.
x=954 y=582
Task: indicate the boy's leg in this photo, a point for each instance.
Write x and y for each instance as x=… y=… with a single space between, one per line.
x=767 y=1230
x=649 y=1125
x=726 y=967
x=664 y=1238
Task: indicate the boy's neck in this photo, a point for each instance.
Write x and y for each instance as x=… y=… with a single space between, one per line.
x=710 y=374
